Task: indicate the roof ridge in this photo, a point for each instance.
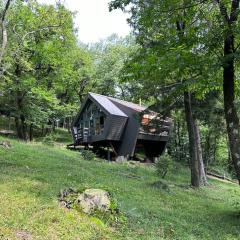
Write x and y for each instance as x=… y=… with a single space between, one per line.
x=103 y=101
x=114 y=98
x=126 y=101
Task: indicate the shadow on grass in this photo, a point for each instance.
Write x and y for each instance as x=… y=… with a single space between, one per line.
x=160 y=185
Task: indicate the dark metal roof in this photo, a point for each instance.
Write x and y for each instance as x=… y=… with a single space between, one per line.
x=131 y=105
x=108 y=103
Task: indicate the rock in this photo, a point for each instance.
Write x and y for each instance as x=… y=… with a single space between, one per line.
x=6 y=144
x=94 y=199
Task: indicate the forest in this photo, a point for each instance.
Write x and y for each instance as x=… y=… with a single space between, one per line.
x=181 y=60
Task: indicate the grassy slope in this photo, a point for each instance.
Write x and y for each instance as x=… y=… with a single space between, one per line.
x=33 y=174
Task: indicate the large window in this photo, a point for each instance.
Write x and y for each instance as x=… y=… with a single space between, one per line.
x=93 y=120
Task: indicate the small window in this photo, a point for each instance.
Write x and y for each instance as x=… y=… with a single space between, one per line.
x=102 y=120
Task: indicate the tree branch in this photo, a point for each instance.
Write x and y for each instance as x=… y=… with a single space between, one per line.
x=5 y=10
x=22 y=39
x=223 y=11
x=234 y=10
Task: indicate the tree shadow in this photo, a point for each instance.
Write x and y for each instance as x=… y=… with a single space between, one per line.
x=160 y=185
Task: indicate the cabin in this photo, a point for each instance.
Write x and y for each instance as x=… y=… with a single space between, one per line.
x=124 y=127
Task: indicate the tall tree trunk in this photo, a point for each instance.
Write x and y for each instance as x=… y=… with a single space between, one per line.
x=214 y=149
x=21 y=127
x=193 y=150
x=31 y=132
x=3 y=30
x=4 y=41
x=202 y=174
x=207 y=149
x=230 y=111
x=178 y=142
x=18 y=128
x=24 y=127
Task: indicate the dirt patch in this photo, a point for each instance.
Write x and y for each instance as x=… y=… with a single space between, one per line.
x=23 y=235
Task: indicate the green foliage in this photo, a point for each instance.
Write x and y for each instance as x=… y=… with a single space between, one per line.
x=45 y=72
x=109 y=57
x=87 y=155
x=49 y=139
x=164 y=165
x=167 y=57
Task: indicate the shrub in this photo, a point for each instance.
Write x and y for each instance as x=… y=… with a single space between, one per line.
x=87 y=155
x=49 y=139
x=164 y=165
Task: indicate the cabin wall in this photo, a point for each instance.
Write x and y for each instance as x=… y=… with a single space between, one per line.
x=90 y=123
x=115 y=126
x=127 y=145
x=93 y=125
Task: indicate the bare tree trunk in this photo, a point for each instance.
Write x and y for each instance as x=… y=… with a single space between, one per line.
x=232 y=120
x=3 y=31
x=214 y=149
x=18 y=128
x=4 y=41
x=31 y=132
x=230 y=111
x=42 y=132
x=202 y=174
x=178 y=142
x=21 y=128
x=24 y=128
x=193 y=151
x=64 y=122
x=198 y=176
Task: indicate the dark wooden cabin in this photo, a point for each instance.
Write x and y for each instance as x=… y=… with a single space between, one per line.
x=123 y=126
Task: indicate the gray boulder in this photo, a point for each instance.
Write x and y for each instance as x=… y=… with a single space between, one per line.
x=94 y=199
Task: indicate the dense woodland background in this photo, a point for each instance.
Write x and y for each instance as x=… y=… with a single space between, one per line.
x=182 y=59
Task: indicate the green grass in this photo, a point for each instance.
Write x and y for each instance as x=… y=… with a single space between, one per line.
x=32 y=174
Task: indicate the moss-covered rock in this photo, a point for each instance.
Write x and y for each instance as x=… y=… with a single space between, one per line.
x=98 y=203
x=94 y=199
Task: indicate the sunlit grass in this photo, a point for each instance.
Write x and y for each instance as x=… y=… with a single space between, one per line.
x=32 y=174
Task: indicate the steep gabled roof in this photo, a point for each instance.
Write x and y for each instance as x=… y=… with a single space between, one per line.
x=131 y=105
x=108 y=103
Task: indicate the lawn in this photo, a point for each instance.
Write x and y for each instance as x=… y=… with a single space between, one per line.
x=32 y=174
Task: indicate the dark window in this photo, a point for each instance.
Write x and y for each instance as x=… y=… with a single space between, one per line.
x=102 y=120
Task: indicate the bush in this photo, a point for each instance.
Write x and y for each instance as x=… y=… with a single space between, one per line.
x=164 y=165
x=49 y=139
x=87 y=155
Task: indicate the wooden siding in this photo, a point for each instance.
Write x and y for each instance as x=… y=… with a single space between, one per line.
x=115 y=126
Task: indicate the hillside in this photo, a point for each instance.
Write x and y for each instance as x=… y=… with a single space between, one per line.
x=32 y=174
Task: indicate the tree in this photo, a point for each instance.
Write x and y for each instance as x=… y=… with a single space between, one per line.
x=43 y=66
x=168 y=57
x=3 y=29
x=109 y=56
x=230 y=23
